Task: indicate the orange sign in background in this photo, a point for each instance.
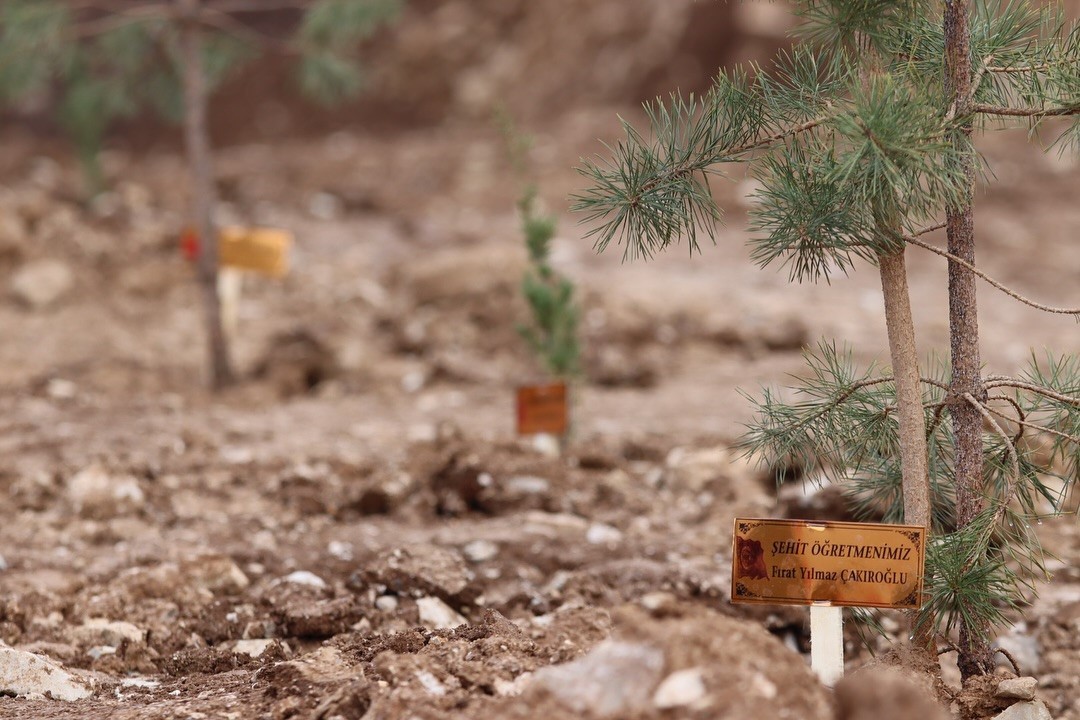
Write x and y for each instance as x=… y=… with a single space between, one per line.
x=542 y=409
x=259 y=250
x=800 y=562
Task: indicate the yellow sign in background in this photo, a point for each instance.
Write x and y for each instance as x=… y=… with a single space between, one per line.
x=801 y=562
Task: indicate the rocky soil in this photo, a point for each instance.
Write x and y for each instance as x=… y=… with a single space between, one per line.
x=355 y=531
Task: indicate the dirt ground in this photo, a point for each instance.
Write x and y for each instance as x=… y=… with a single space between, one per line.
x=355 y=531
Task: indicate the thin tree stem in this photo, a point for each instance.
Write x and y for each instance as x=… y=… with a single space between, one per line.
x=905 y=362
x=203 y=192
x=975 y=656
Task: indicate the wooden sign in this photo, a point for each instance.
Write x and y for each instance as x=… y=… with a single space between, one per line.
x=542 y=409
x=801 y=562
x=260 y=250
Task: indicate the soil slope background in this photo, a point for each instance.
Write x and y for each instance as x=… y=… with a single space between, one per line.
x=354 y=530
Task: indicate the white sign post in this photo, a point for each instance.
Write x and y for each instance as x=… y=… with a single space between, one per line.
x=827 y=642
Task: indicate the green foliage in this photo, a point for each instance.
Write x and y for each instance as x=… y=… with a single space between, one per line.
x=553 y=333
x=106 y=66
x=857 y=146
x=329 y=37
x=967 y=581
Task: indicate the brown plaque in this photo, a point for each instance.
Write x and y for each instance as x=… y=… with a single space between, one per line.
x=261 y=250
x=802 y=562
x=542 y=409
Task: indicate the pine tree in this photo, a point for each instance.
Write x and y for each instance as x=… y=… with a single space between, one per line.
x=862 y=139
x=108 y=59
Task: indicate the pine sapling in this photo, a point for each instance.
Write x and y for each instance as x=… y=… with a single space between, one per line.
x=862 y=139
x=552 y=334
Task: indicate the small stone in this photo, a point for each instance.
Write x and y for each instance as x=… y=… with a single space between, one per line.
x=1032 y=710
x=216 y=573
x=97 y=494
x=325 y=206
x=99 y=651
x=100 y=631
x=1021 y=688
x=42 y=283
x=386 y=603
x=547 y=445
x=527 y=485
x=60 y=389
x=3 y=563
x=601 y=534
x=436 y=614
x=139 y=682
x=341 y=550
x=252 y=647
x=615 y=679
x=24 y=674
x=431 y=683
x=680 y=689
x=304 y=577
x=479 y=551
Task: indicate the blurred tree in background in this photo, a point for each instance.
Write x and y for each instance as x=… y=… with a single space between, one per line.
x=861 y=138
x=102 y=60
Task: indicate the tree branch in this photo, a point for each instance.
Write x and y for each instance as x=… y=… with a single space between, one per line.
x=1036 y=426
x=964 y=263
x=700 y=166
x=994 y=381
x=1026 y=112
x=1020 y=415
x=1013 y=456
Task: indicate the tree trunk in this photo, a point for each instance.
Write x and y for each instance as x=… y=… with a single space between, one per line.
x=905 y=361
x=204 y=196
x=975 y=656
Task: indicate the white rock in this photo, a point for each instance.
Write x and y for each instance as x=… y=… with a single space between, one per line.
x=304 y=577
x=1021 y=688
x=512 y=688
x=60 y=389
x=547 y=444
x=41 y=283
x=1033 y=710
x=3 y=563
x=436 y=614
x=430 y=683
x=97 y=494
x=138 y=682
x=216 y=573
x=99 y=651
x=252 y=647
x=24 y=674
x=527 y=485
x=601 y=534
x=615 y=679
x=386 y=603
x=680 y=688
x=100 y=631
x=341 y=550
x=479 y=551
x=325 y=206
